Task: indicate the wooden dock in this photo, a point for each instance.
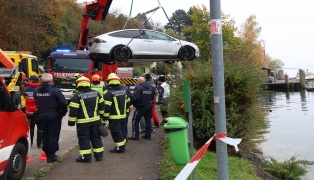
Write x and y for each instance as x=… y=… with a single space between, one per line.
x=309 y=85
x=283 y=86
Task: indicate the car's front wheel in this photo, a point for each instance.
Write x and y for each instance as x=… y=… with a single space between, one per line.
x=17 y=162
x=121 y=53
x=187 y=53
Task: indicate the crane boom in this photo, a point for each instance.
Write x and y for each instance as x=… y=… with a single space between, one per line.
x=95 y=10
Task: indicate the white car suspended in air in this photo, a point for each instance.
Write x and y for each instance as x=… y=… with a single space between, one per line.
x=140 y=45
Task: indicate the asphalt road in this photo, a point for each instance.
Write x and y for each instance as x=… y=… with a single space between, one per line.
x=140 y=161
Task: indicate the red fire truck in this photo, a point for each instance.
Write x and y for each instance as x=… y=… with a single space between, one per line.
x=14 y=129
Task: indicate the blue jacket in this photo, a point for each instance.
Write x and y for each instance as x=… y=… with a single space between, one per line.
x=50 y=99
x=144 y=94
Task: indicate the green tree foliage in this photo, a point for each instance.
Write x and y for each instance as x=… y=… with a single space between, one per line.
x=242 y=77
x=162 y=68
x=178 y=21
x=242 y=86
x=28 y=25
x=69 y=26
x=199 y=31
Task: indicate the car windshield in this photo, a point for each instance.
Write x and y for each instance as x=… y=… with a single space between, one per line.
x=70 y=65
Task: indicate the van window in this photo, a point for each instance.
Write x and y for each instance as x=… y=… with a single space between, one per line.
x=35 y=66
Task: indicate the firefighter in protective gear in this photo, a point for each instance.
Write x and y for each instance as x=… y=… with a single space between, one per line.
x=86 y=111
x=97 y=86
x=116 y=103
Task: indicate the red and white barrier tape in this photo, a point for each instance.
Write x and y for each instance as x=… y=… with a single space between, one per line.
x=188 y=168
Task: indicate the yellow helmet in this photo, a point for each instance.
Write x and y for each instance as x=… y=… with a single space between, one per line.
x=83 y=81
x=113 y=79
x=76 y=75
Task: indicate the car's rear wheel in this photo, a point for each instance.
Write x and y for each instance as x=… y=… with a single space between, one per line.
x=17 y=162
x=187 y=53
x=121 y=53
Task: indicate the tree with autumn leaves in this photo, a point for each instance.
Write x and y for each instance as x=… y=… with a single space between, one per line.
x=39 y=26
x=243 y=60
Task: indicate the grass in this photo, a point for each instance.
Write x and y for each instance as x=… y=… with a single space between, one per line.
x=206 y=169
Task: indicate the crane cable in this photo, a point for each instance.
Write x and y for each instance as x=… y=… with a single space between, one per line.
x=129 y=15
x=153 y=10
x=171 y=24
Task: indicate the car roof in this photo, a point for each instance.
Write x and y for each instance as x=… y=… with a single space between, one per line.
x=137 y=30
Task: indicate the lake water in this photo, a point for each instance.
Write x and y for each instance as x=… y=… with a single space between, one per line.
x=291 y=126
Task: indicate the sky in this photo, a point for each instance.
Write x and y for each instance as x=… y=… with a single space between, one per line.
x=287 y=25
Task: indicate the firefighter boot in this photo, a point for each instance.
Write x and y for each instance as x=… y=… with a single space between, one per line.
x=52 y=158
x=84 y=159
x=118 y=149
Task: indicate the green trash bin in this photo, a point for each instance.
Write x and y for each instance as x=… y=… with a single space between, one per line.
x=176 y=128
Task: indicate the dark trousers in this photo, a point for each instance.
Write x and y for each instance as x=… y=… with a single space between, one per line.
x=116 y=127
x=50 y=123
x=125 y=126
x=164 y=109
x=133 y=123
x=88 y=135
x=146 y=112
x=31 y=122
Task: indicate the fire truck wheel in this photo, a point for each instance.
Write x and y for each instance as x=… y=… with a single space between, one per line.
x=17 y=162
x=121 y=53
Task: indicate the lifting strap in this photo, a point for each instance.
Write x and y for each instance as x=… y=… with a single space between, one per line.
x=147 y=12
x=170 y=22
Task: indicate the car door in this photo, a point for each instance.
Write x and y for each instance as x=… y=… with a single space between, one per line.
x=136 y=41
x=161 y=44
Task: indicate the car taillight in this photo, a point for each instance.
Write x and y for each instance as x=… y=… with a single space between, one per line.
x=99 y=41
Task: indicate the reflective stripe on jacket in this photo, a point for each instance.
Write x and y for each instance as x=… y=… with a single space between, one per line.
x=116 y=102
x=86 y=106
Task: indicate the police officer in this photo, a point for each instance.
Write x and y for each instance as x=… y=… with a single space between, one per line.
x=97 y=86
x=86 y=110
x=52 y=107
x=116 y=103
x=144 y=95
x=163 y=101
x=31 y=108
x=148 y=79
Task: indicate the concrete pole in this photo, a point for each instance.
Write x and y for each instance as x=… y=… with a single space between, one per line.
x=219 y=90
